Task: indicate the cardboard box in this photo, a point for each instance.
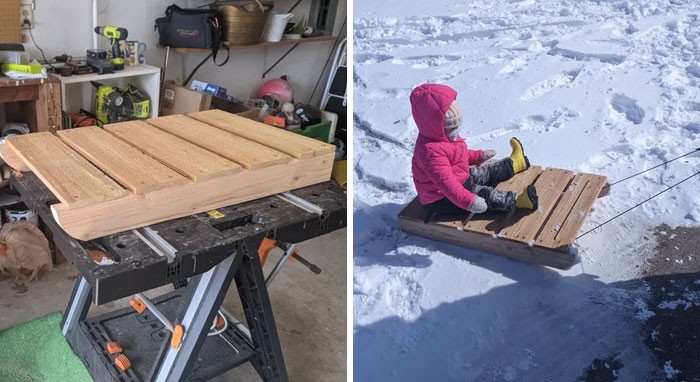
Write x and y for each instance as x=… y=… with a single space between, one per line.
x=235 y=108
x=180 y=100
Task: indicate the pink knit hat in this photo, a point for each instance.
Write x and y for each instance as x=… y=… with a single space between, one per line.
x=453 y=116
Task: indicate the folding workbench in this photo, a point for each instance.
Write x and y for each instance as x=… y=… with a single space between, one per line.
x=201 y=255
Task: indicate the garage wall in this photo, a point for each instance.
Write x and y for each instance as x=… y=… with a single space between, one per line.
x=65 y=27
x=242 y=75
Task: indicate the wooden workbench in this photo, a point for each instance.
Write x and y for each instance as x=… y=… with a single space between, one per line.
x=36 y=102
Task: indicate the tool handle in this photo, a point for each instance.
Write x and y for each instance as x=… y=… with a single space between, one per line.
x=312 y=267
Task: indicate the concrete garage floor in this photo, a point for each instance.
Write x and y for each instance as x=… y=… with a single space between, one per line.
x=310 y=310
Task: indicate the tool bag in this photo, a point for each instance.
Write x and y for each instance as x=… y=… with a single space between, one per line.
x=190 y=28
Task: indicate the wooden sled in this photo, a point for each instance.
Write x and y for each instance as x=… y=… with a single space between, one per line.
x=132 y=174
x=541 y=237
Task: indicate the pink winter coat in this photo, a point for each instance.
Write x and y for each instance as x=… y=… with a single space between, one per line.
x=440 y=166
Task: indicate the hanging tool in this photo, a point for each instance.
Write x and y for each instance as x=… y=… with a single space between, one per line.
x=115 y=35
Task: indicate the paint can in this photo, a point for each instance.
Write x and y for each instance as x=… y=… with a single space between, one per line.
x=20 y=212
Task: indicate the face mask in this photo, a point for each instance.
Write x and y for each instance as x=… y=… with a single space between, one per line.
x=452 y=134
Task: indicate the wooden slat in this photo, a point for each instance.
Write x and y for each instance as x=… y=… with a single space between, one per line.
x=524 y=225
x=192 y=197
x=563 y=225
x=12 y=160
x=186 y=158
x=135 y=170
x=293 y=144
x=74 y=181
x=490 y=223
x=503 y=247
x=247 y=153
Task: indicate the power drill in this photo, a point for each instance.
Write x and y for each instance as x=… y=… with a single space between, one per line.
x=115 y=35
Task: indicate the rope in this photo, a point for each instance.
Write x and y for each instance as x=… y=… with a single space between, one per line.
x=649 y=169
x=637 y=205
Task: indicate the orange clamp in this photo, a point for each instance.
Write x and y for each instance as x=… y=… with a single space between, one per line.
x=266 y=246
x=113 y=348
x=137 y=304
x=176 y=339
x=122 y=362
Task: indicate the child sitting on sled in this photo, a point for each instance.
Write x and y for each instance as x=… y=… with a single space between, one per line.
x=441 y=160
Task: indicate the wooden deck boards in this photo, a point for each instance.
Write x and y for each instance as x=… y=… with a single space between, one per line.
x=127 y=165
x=540 y=237
x=184 y=157
x=251 y=155
x=524 y=225
x=490 y=223
x=173 y=167
x=566 y=220
x=295 y=145
x=73 y=180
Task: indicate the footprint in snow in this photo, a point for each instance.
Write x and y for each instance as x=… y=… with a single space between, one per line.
x=403 y=294
x=549 y=84
x=628 y=106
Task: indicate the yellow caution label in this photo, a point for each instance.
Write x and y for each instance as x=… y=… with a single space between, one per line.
x=215 y=214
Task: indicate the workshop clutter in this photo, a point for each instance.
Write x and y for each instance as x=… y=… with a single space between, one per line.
x=243 y=21
x=24 y=251
x=203 y=96
x=115 y=105
x=189 y=28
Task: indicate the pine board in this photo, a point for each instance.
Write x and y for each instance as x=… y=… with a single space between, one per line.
x=73 y=180
x=298 y=146
x=127 y=165
x=525 y=225
x=249 y=154
x=570 y=213
x=131 y=212
x=487 y=243
x=490 y=223
x=184 y=157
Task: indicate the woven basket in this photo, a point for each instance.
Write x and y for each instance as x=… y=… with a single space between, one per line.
x=242 y=25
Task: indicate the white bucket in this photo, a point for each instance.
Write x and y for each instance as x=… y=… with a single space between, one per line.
x=274 y=28
x=20 y=213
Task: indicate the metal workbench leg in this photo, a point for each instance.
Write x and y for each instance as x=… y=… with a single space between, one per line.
x=202 y=300
x=250 y=281
x=78 y=306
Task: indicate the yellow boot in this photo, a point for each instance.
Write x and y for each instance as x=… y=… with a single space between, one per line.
x=520 y=161
x=527 y=199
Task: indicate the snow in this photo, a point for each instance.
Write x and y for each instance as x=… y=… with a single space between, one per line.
x=607 y=87
x=670 y=371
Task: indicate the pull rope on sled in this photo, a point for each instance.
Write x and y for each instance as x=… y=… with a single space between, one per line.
x=638 y=204
x=649 y=169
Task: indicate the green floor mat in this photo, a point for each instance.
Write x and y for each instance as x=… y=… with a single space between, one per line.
x=36 y=351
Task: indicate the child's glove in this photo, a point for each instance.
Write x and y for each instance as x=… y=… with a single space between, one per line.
x=487 y=154
x=478 y=205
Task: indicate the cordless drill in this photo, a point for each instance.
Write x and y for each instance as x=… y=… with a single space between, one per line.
x=115 y=35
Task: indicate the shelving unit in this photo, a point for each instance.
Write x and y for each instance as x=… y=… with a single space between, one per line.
x=262 y=44
x=77 y=93
x=293 y=43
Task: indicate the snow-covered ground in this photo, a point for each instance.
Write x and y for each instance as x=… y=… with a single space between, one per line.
x=608 y=87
